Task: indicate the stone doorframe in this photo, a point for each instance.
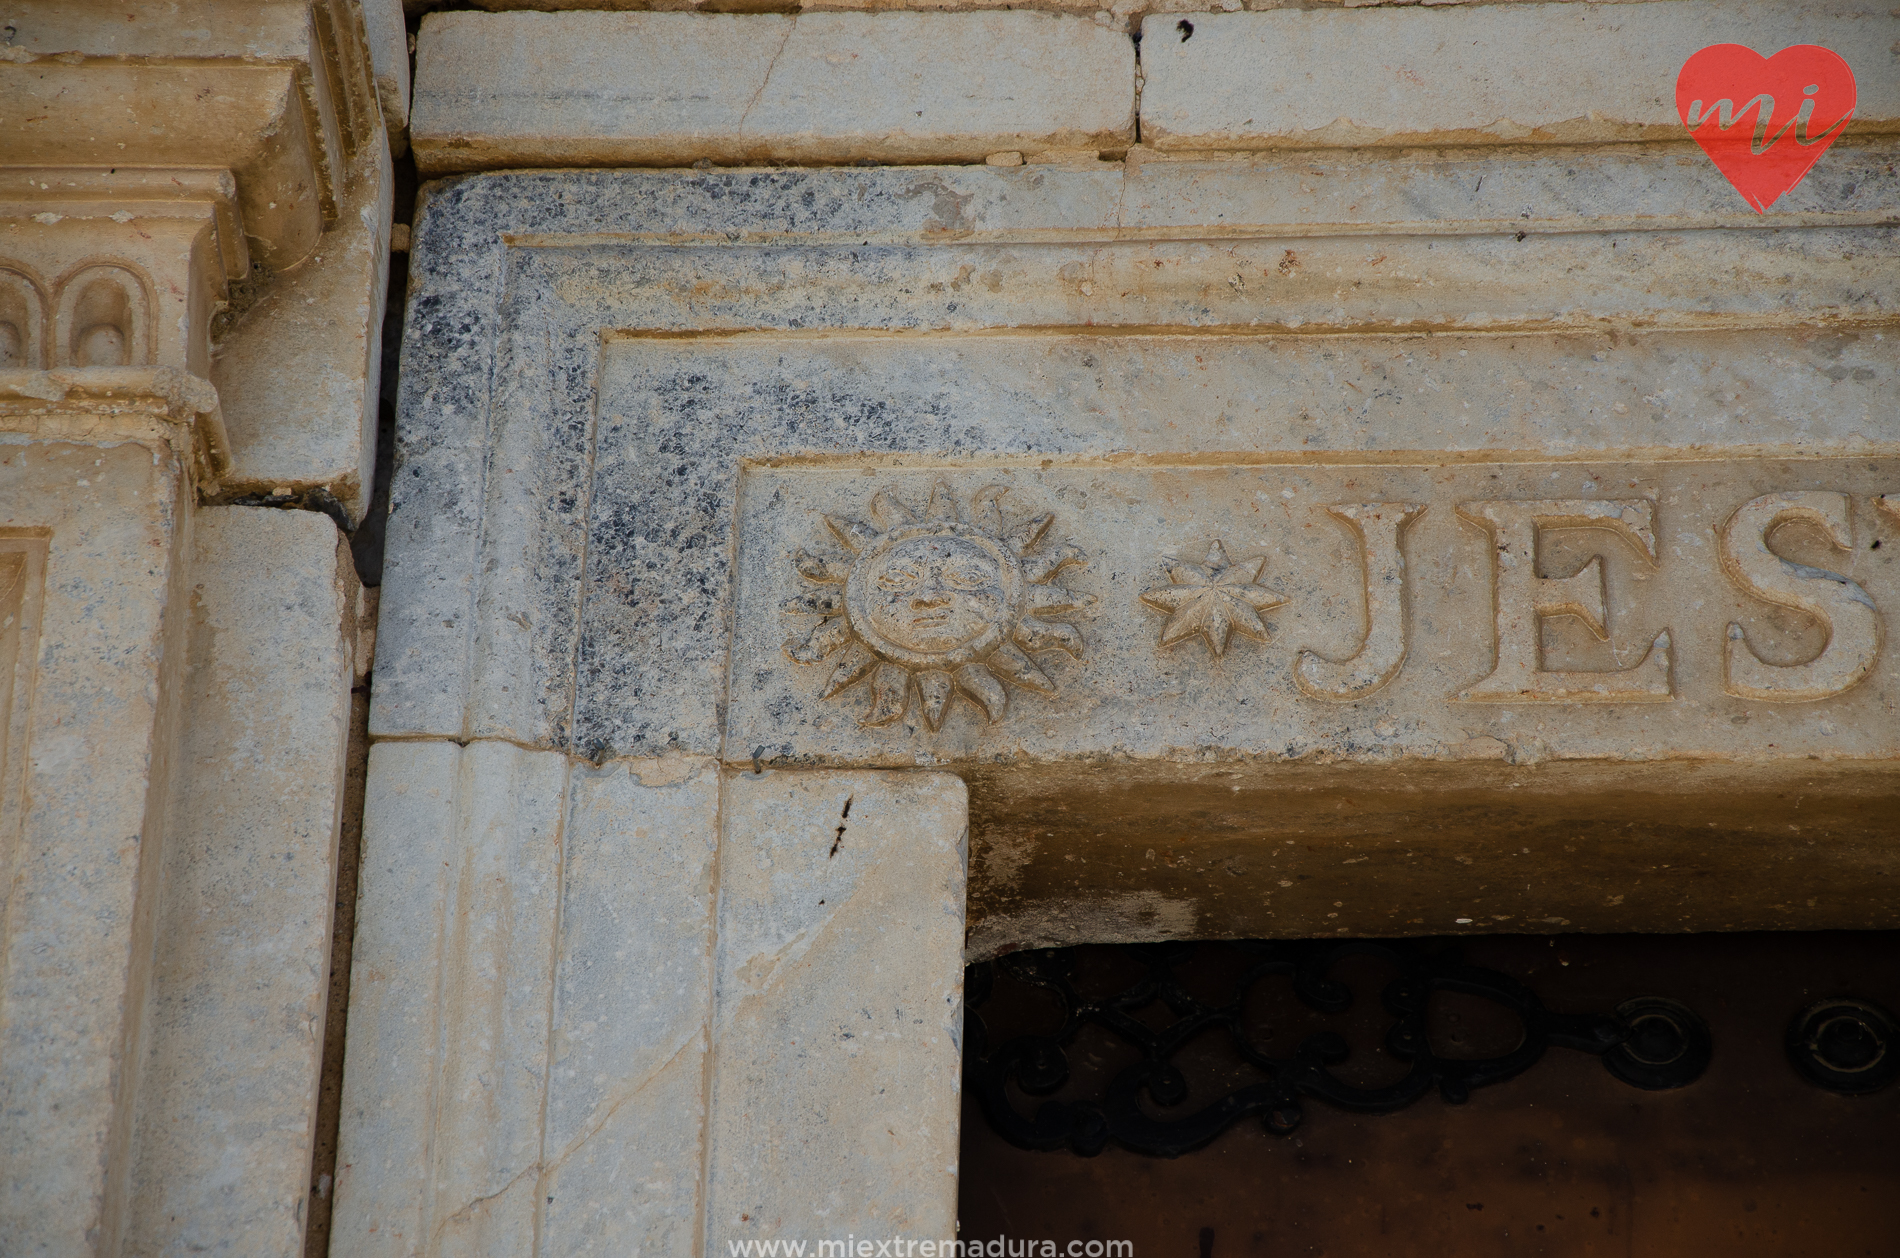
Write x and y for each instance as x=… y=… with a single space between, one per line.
x=662 y=923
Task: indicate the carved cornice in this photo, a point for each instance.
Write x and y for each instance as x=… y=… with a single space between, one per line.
x=280 y=93
x=94 y=404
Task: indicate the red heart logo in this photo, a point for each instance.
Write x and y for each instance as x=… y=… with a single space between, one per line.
x=1742 y=106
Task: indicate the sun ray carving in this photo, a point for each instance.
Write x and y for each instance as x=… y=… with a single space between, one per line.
x=935 y=603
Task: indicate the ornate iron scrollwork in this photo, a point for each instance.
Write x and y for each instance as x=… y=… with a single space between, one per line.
x=1649 y=1043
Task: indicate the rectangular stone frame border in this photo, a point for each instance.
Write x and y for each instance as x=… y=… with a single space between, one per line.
x=492 y=361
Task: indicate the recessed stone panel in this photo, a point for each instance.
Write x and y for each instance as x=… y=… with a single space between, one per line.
x=680 y=418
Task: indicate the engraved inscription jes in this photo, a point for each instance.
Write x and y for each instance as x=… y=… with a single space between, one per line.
x=963 y=597
x=942 y=603
x=1219 y=597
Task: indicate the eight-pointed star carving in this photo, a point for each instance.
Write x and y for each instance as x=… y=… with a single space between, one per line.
x=1213 y=599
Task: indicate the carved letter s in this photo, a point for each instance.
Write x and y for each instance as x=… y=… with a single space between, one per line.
x=1843 y=608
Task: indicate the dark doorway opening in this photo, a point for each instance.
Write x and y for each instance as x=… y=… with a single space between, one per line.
x=1781 y=1141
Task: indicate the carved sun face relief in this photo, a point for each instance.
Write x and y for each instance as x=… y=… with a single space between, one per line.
x=938 y=603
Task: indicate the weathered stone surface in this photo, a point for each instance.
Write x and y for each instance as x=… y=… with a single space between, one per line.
x=837 y=1039
x=1520 y=73
x=388 y=38
x=561 y=978
x=667 y=89
x=159 y=406
x=111 y=270
x=610 y=467
x=459 y=884
x=1120 y=851
x=94 y=534
x=1122 y=13
x=226 y=1109
x=633 y=995
x=279 y=93
x=1023 y=276
x=269 y=133
x=300 y=372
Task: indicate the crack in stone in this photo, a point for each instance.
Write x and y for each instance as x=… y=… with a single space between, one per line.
x=770 y=66
x=435 y=1239
x=601 y=1119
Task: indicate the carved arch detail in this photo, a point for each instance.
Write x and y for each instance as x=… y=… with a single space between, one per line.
x=104 y=317
x=22 y=318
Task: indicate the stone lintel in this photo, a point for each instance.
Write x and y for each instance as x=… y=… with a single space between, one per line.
x=1558 y=73
x=1117 y=851
x=667 y=89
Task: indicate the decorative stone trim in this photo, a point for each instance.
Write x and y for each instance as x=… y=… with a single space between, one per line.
x=121 y=403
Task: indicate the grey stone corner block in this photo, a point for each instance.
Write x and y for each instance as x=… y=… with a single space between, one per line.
x=659 y=89
x=1559 y=73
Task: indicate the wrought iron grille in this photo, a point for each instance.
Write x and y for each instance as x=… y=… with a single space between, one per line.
x=1648 y=1042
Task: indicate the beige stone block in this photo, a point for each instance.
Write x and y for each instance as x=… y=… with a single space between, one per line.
x=97 y=535
x=837 y=1038
x=161 y=406
x=266 y=30
x=115 y=270
x=227 y=1101
x=1481 y=74
x=388 y=39
x=247 y=118
x=540 y=89
x=299 y=373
